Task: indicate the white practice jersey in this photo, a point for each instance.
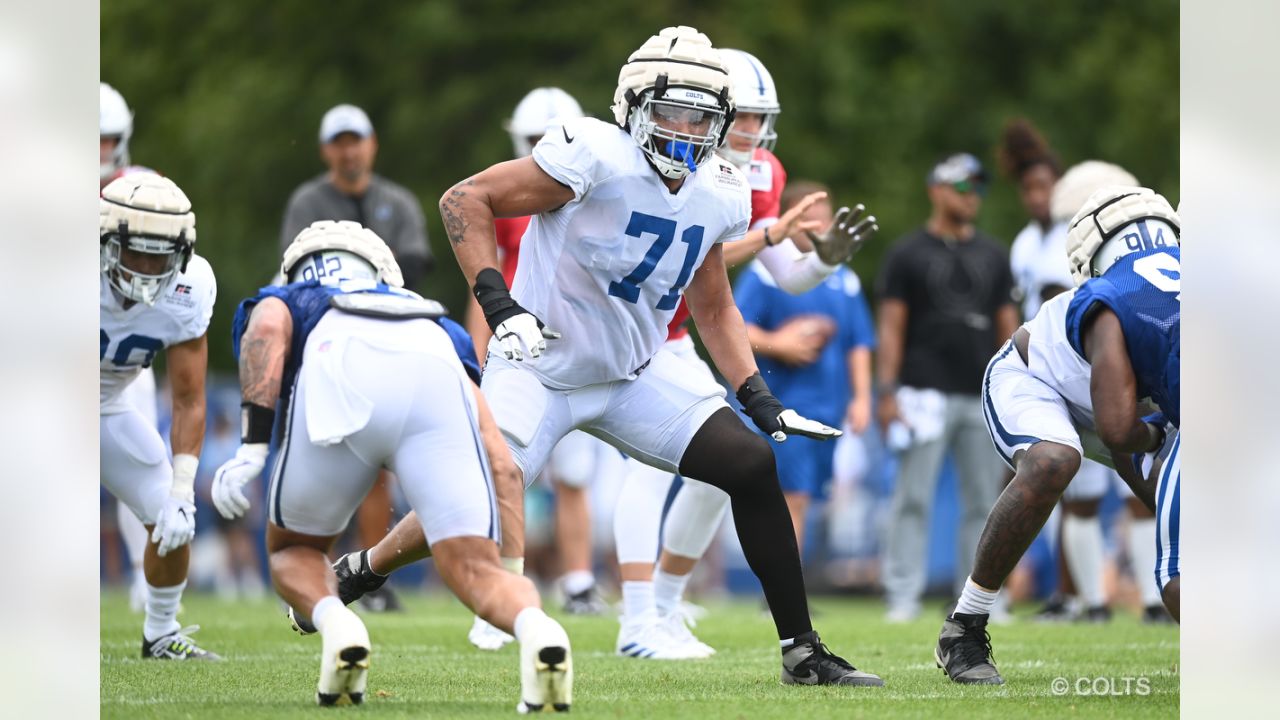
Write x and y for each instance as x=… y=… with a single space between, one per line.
x=1051 y=359
x=1038 y=258
x=608 y=269
x=130 y=338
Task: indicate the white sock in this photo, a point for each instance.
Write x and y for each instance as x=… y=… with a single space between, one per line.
x=527 y=618
x=974 y=600
x=577 y=581
x=1142 y=556
x=637 y=598
x=321 y=611
x=1082 y=542
x=668 y=590
x=162 y=610
x=787 y=643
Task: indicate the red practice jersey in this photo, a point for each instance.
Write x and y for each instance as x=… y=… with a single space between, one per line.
x=508 y=232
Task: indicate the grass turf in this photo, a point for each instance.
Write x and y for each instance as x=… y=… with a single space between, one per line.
x=423 y=667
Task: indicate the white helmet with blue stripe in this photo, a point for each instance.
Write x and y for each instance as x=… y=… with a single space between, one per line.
x=753 y=92
x=1115 y=221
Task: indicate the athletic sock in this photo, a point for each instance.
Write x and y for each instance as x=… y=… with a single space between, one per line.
x=577 y=581
x=637 y=598
x=321 y=611
x=162 y=610
x=976 y=601
x=1082 y=542
x=668 y=590
x=526 y=620
x=1142 y=556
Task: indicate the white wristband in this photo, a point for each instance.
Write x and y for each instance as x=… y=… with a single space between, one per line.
x=513 y=565
x=184 y=477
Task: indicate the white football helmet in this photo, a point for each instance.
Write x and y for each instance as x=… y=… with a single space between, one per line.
x=539 y=111
x=340 y=250
x=676 y=78
x=1116 y=221
x=1082 y=180
x=753 y=92
x=144 y=214
x=115 y=119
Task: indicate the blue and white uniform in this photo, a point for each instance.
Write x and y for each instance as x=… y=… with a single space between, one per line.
x=135 y=463
x=607 y=271
x=363 y=393
x=1143 y=289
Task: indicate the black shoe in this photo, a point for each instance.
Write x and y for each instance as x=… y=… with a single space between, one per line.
x=356 y=579
x=587 y=602
x=964 y=651
x=810 y=662
x=1056 y=609
x=176 y=645
x=1156 y=615
x=1098 y=614
x=381 y=600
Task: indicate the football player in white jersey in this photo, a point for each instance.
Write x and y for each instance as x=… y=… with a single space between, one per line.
x=115 y=127
x=335 y=345
x=628 y=219
x=654 y=623
x=156 y=294
x=1039 y=408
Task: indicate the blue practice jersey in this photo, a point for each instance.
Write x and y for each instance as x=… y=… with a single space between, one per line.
x=309 y=301
x=1144 y=290
x=822 y=389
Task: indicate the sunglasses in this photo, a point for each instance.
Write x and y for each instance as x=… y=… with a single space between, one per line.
x=967 y=186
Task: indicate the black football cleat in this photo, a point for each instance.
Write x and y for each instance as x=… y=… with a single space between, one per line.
x=810 y=662
x=964 y=651
x=355 y=578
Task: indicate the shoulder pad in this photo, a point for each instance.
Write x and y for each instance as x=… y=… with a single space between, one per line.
x=388 y=307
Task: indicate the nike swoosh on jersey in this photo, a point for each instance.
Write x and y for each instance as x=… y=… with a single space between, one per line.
x=566 y=134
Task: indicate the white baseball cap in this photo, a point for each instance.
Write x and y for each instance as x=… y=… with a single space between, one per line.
x=344 y=118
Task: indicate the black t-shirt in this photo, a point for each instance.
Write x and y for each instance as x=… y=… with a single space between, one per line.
x=952 y=291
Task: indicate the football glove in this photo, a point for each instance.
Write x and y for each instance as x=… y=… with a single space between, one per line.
x=768 y=413
x=517 y=330
x=228 y=496
x=176 y=525
x=845 y=237
x=1147 y=462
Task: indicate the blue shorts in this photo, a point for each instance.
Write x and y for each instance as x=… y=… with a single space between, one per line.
x=805 y=465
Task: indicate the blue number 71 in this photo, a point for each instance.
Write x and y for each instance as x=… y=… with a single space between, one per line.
x=628 y=288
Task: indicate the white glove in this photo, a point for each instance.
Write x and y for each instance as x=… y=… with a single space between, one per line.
x=793 y=423
x=845 y=237
x=233 y=475
x=523 y=333
x=176 y=525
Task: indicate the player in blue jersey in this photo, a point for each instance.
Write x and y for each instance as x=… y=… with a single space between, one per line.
x=372 y=376
x=1041 y=403
x=1126 y=322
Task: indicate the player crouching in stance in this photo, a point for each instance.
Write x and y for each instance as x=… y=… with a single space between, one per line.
x=371 y=379
x=156 y=294
x=1044 y=400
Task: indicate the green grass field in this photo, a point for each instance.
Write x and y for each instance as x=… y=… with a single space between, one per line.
x=423 y=667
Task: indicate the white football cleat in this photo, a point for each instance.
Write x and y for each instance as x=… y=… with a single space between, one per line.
x=487 y=637
x=678 y=627
x=344 y=659
x=646 y=637
x=546 y=669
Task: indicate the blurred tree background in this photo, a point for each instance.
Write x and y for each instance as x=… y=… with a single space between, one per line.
x=228 y=97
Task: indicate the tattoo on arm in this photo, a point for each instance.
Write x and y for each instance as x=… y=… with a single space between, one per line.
x=261 y=370
x=455 y=221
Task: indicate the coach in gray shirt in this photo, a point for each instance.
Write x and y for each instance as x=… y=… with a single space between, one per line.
x=350 y=190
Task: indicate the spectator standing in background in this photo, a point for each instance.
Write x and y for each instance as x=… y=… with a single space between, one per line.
x=945 y=307
x=350 y=190
x=815 y=351
x=1040 y=249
